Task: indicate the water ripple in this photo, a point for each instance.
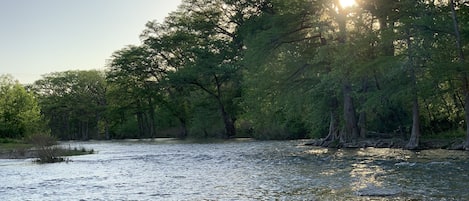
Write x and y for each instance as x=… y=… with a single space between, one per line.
x=268 y=170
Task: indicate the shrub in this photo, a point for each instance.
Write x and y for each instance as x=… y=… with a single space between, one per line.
x=46 y=150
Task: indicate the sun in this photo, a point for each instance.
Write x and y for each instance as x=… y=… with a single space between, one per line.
x=347 y=3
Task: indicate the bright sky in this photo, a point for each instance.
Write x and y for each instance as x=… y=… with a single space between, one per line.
x=40 y=37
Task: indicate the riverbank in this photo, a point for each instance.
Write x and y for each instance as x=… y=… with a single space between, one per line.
x=18 y=150
x=397 y=143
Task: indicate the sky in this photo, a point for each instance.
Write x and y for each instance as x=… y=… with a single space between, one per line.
x=41 y=37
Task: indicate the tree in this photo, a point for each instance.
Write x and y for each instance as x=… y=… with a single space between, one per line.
x=74 y=103
x=201 y=46
x=330 y=44
x=280 y=75
x=134 y=73
x=461 y=59
x=19 y=111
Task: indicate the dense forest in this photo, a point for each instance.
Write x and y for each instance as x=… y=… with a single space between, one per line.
x=268 y=69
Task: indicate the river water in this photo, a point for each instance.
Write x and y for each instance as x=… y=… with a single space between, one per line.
x=238 y=170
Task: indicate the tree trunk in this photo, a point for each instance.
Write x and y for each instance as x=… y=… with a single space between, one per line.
x=106 y=129
x=97 y=127
x=351 y=128
x=362 y=124
x=415 y=134
x=140 y=121
x=333 y=129
x=466 y=110
x=334 y=126
x=87 y=130
x=230 y=130
x=146 y=124
x=106 y=116
x=84 y=130
x=362 y=116
x=151 y=122
x=183 y=133
x=333 y=133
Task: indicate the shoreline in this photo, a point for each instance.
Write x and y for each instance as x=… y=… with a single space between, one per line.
x=394 y=143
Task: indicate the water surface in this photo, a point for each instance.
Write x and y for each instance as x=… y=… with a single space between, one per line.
x=246 y=170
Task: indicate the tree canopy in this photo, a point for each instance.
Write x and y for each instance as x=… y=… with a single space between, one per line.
x=19 y=111
x=274 y=69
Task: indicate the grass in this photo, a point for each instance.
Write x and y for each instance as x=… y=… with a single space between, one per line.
x=55 y=154
x=41 y=147
x=8 y=145
x=14 y=146
x=76 y=151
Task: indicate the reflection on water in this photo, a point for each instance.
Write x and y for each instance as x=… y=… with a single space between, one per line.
x=249 y=170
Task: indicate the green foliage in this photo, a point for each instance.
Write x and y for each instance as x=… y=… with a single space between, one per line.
x=200 y=50
x=447 y=134
x=73 y=102
x=292 y=54
x=19 y=111
x=204 y=122
x=133 y=77
x=125 y=129
x=266 y=69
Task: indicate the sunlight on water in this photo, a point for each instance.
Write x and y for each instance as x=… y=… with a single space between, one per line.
x=317 y=151
x=365 y=175
x=175 y=170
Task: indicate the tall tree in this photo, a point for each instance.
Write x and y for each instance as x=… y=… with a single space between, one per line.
x=135 y=76
x=201 y=44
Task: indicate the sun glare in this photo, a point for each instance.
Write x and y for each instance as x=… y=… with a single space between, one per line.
x=347 y=3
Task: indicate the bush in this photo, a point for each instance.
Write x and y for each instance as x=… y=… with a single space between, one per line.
x=46 y=150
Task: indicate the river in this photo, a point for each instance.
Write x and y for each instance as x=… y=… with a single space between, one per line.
x=238 y=170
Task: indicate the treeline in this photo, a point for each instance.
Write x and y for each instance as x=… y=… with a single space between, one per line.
x=275 y=69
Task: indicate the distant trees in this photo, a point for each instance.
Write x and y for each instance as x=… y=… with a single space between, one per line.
x=19 y=111
x=74 y=103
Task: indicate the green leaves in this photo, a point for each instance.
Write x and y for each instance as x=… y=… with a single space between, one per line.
x=19 y=111
x=72 y=102
x=280 y=69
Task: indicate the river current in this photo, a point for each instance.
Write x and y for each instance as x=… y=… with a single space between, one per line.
x=238 y=170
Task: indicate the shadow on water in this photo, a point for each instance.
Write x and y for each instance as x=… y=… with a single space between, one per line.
x=168 y=169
